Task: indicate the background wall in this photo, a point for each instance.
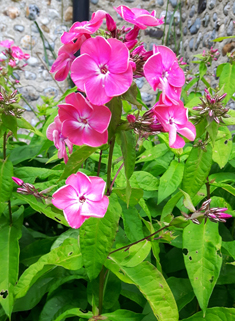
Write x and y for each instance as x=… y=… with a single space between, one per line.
x=194 y=25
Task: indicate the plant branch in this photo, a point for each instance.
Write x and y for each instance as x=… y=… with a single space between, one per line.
x=112 y=142
x=99 y=164
x=111 y=186
x=145 y=238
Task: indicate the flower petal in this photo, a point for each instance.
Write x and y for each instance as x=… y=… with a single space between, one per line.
x=95 y=209
x=168 y=56
x=97 y=189
x=95 y=90
x=64 y=197
x=68 y=112
x=188 y=131
x=81 y=104
x=153 y=70
x=92 y=138
x=80 y=182
x=176 y=76
x=119 y=58
x=179 y=142
x=100 y=118
x=74 y=131
x=98 y=48
x=73 y=216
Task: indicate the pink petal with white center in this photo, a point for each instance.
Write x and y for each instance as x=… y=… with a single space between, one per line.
x=100 y=118
x=96 y=91
x=6 y=43
x=92 y=138
x=70 y=145
x=68 y=113
x=126 y=13
x=50 y=130
x=73 y=216
x=176 y=76
x=56 y=138
x=172 y=134
x=68 y=37
x=179 y=142
x=117 y=84
x=74 y=131
x=168 y=56
x=149 y=20
x=153 y=70
x=119 y=59
x=172 y=94
x=179 y=113
x=80 y=182
x=98 y=48
x=83 y=69
x=64 y=197
x=58 y=62
x=95 y=209
x=96 y=190
x=188 y=130
x=80 y=103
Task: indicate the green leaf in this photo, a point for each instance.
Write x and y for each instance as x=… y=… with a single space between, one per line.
x=230 y=248
x=223 y=147
x=170 y=180
x=112 y=290
x=168 y=208
x=97 y=236
x=151 y=284
x=22 y=123
x=10 y=122
x=123 y=315
x=22 y=153
x=126 y=106
x=131 y=95
x=115 y=106
x=29 y=174
x=227 y=79
x=188 y=202
x=202 y=69
x=76 y=160
x=212 y=129
x=202 y=260
x=223 y=38
x=139 y=179
x=136 y=195
x=132 y=223
x=152 y=153
x=214 y=314
x=72 y=313
x=137 y=254
x=219 y=69
x=182 y=291
x=9 y=258
x=6 y=182
x=196 y=170
x=68 y=255
x=128 y=143
x=131 y=292
x=43 y=208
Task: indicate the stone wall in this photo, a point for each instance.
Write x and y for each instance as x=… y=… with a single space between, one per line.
x=191 y=32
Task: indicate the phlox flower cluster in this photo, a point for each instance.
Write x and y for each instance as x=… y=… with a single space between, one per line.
x=109 y=60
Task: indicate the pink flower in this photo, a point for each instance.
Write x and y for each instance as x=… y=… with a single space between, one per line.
x=216 y=214
x=139 y=17
x=111 y=24
x=26 y=56
x=6 y=43
x=103 y=70
x=162 y=71
x=85 y=27
x=83 y=122
x=17 y=53
x=82 y=197
x=174 y=119
x=131 y=118
x=54 y=133
x=62 y=64
x=18 y=181
x=12 y=63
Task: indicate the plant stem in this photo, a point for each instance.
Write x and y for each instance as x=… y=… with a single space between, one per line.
x=111 y=186
x=145 y=238
x=112 y=142
x=99 y=164
x=208 y=196
x=4 y=157
x=164 y=32
x=101 y=289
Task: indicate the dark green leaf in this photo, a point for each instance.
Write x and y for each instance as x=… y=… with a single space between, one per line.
x=227 y=79
x=10 y=122
x=115 y=106
x=202 y=69
x=22 y=153
x=182 y=291
x=123 y=315
x=151 y=154
x=214 y=314
x=6 y=182
x=128 y=143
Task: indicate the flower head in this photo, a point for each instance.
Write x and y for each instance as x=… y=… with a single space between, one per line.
x=54 y=133
x=103 y=70
x=6 y=43
x=174 y=119
x=139 y=17
x=162 y=71
x=17 y=53
x=82 y=197
x=83 y=122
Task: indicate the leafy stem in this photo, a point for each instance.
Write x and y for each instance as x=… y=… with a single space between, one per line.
x=4 y=157
x=145 y=238
x=112 y=142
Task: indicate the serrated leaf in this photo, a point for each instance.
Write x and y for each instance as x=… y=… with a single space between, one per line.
x=202 y=244
x=128 y=143
x=152 y=285
x=9 y=258
x=196 y=170
x=76 y=160
x=6 y=182
x=68 y=255
x=222 y=147
x=170 y=180
x=42 y=208
x=227 y=79
x=97 y=236
x=214 y=314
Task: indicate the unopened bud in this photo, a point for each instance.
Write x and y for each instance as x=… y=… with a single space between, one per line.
x=131 y=118
x=18 y=181
x=111 y=24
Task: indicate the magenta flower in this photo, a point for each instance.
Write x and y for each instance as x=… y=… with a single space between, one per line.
x=162 y=71
x=103 y=70
x=54 y=133
x=17 y=53
x=82 y=197
x=139 y=17
x=6 y=43
x=85 y=27
x=174 y=119
x=83 y=122
x=18 y=181
x=12 y=63
x=62 y=64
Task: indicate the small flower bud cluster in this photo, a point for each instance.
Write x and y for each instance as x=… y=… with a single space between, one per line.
x=210 y=55
x=28 y=189
x=6 y=101
x=211 y=108
x=148 y=124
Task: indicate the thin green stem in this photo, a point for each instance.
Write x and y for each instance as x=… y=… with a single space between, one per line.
x=164 y=32
x=145 y=238
x=109 y=170
x=99 y=164
x=4 y=157
x=101 y=289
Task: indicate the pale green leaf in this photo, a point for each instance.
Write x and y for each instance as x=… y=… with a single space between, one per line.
x=214 y=314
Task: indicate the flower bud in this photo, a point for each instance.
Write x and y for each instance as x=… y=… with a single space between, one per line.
x=111 y=24
x=18 y=181
x=131 y=118
x=132 y=35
